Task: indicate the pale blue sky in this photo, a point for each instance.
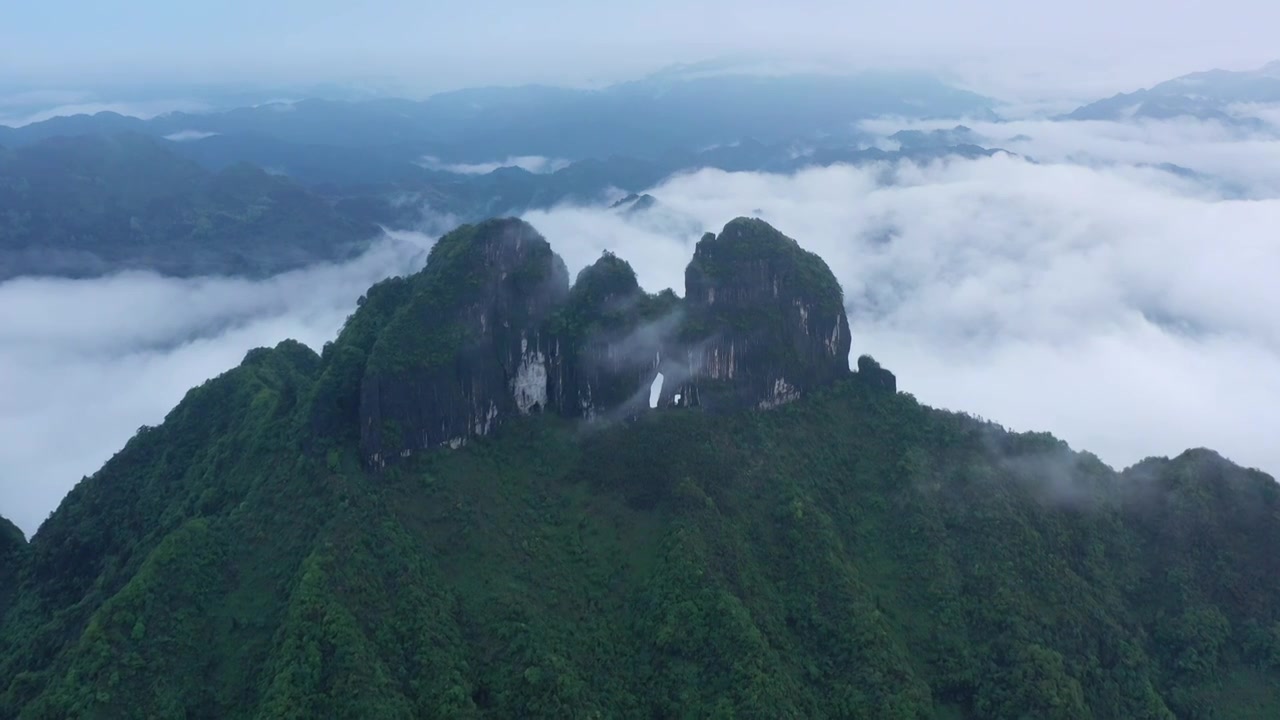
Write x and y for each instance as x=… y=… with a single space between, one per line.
x=435 y=45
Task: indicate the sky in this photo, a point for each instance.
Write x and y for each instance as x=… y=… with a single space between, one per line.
x=1083 y=46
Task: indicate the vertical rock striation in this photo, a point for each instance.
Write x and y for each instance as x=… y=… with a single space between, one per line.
x=766 y=319
x=470 y=347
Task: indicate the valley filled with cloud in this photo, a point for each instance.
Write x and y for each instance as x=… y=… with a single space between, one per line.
x=84 y=363
x=1112 y=283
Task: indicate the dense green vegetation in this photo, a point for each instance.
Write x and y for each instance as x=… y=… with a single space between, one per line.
x=606 y=300
x=88 y=205
x=428 y=330
x=853 y=554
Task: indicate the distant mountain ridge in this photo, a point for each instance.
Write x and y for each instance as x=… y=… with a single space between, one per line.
x=642 y=118
x=762 y=323
x=1207 y=95
x=356 y=165
x=86 y=205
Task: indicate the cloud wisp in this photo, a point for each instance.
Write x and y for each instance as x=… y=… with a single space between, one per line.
x=535 y=164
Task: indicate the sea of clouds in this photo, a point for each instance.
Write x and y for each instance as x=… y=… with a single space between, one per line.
x=1073 y=286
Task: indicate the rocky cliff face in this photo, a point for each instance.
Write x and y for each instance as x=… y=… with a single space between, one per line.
x=766 y=319
x=470 y=347
x=492 y=330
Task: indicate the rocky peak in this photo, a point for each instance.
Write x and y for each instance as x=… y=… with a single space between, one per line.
x=470 y=347
x=490 y=329
x=634 y=203
x=617 y=334
x=771 y=316
x=604 y=291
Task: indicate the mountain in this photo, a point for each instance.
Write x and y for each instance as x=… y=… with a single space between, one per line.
x=475 y=503
x=1209 y=95
x=309 y=164
x=91 y=194
x=644 y=118
x=89 y=204
x=102 y=123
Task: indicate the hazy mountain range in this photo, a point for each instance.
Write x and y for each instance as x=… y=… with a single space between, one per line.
x=644 y=118
x=92 y=194
x=1221 y=95
x=466 y=155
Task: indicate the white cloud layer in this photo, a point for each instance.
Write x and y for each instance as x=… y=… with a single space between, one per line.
x=1123 y=309
x=533 y=163
x=84 y=363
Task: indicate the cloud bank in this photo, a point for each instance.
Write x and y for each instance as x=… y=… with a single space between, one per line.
x=1125 y=309
x=84 y=363
x=189 y=135
x=535 y=164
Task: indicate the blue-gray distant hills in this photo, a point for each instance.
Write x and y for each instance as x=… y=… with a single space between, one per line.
x=679 y=108
x=1207 y=95
x=258 y=190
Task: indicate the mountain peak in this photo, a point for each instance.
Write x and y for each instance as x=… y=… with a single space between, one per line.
x=606 y=281
x=462 y=351
x=753 y=246
x=634 y=203
x=491 y=330
x=775 y=310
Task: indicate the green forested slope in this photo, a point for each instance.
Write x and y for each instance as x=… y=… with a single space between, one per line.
x=851 y=554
